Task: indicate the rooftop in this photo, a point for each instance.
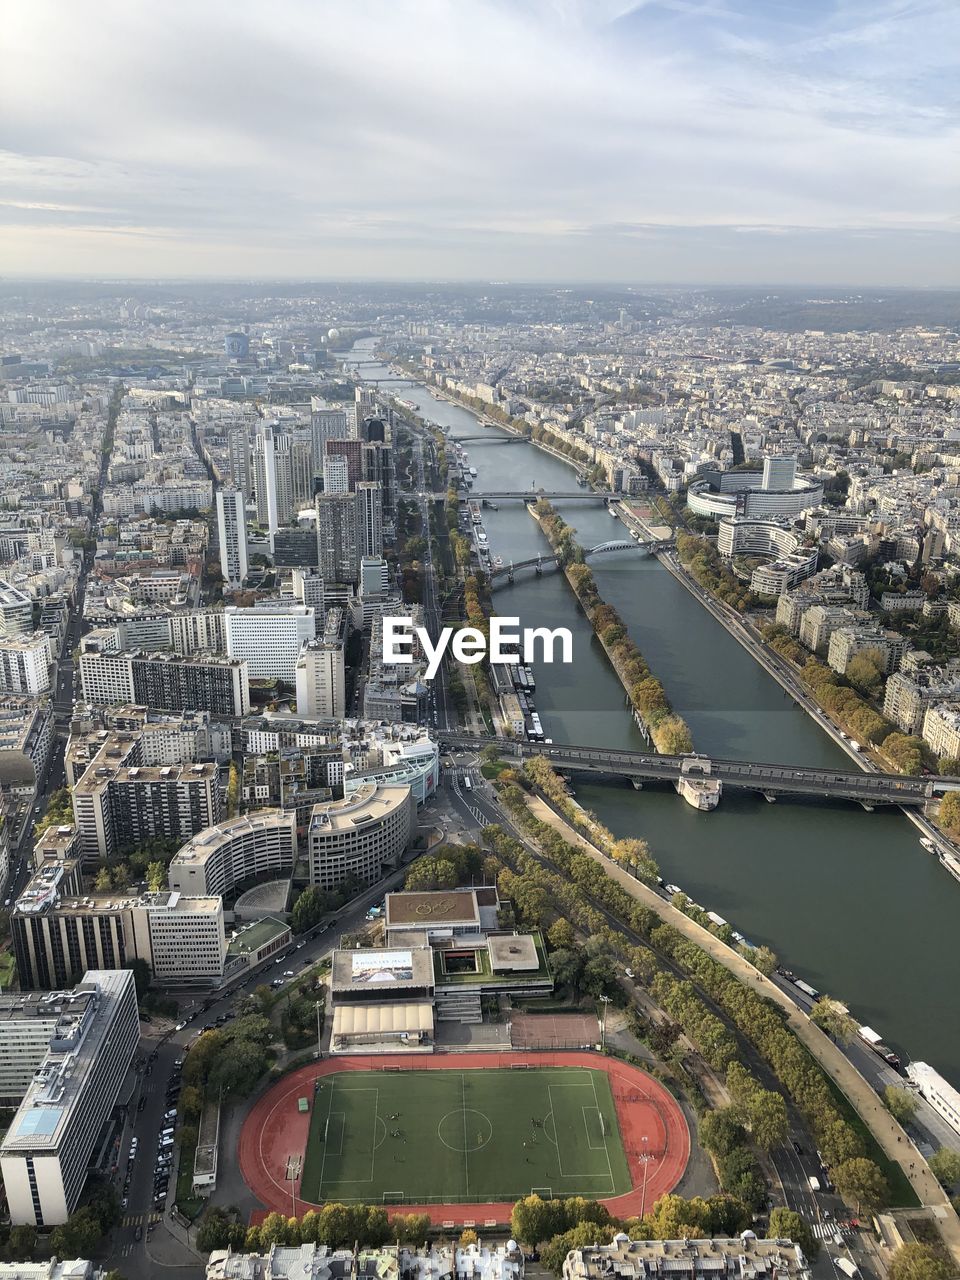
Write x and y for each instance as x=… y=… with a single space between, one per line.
x=87 y=1021
x=444 y=907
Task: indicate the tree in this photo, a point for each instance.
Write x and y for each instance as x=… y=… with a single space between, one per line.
x=860 y=1181
x=467 y=1237
x=102 y=881
x=141 y=975
x=309 y=909
x=769 y=1123
x=865 y=671
x=530 y=1220
x=560 y=935
x=567 y=967
x=901 y=1103
x=156 y=874
x=721 y=1131
x=918 y=1262
x=238 y=1071
x=411 y=1228
x=79 y=1237
x=945 y=1166
x=787 y=1225
x=22 y=1242
x=600 y=977
x=949 y=817
x=833 y=1018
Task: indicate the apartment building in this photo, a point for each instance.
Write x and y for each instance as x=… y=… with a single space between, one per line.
x=166 y=682
x=232 y=533
x=47 y=1151
x=234 y=853
x=25 y=664
x=321 y=671
x=744 y=1256
x=119 y=807
x=360 y=836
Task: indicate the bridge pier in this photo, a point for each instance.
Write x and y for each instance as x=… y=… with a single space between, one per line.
x=868 y=807
x=769 y=798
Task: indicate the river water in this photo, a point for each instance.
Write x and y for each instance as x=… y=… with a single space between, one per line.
x=846 y=898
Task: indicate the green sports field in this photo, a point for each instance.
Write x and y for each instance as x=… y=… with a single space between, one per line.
x=469 y=1136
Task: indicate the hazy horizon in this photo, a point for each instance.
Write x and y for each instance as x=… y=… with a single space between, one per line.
x=666 y=143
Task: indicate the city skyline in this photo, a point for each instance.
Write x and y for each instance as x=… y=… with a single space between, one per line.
x=689 y=143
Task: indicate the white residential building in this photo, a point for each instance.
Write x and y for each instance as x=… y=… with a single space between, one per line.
x=321 y=671
x=232 y=531
x=46 y=1152
x=25 y=664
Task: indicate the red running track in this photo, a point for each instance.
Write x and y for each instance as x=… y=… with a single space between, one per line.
x=651 y=1124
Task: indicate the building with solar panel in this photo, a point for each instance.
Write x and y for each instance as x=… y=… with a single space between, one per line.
x=48 y=1149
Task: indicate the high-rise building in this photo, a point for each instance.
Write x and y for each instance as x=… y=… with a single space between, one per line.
x=261 y=845
x=232 y=532
x=779 y=472
x=352 y=450
x=370 y=515
x=197 y=631
x=47 y=1150
x=238 y=457
x=302 y=470
x=339 y=545
x=269 y=636
x=336 y=473
x=25 y=664
x=321 y=671
x=325 y=424
x=272 y=477
x=308 y=589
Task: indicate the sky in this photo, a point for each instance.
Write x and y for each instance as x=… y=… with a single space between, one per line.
x=666 y=141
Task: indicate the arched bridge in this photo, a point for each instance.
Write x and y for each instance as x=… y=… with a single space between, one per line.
x=531 y=495
x=548 y=562
x=490 y=436
x=771 y=780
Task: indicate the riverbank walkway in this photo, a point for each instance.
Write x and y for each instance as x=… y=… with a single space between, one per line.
x=895 y=1143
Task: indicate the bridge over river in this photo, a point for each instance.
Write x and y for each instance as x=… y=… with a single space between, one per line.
x=771 y=780
x=545 y=562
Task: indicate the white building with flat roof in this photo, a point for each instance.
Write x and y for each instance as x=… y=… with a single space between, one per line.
x=359 y=836
x=218 y=860
x=46 y=1152
x=232 y=533
x=25 y=664
x=269 y=636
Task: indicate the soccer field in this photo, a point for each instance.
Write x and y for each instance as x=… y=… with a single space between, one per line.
x=414 y=1137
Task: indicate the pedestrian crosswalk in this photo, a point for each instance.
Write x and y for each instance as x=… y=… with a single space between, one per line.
x=827 y=1230
x=141 y=1219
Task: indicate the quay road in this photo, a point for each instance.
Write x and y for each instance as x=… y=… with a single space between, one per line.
x=868 y=789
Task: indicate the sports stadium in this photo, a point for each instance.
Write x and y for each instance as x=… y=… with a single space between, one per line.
x=461 y=1136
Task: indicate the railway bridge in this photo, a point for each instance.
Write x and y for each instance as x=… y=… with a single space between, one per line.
x=771 y=780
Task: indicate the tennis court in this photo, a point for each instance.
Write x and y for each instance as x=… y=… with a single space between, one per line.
x=415 y=1137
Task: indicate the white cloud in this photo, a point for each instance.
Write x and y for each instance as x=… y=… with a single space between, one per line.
x=388 y=134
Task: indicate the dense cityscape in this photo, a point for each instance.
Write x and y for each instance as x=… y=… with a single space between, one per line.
x=261 y=876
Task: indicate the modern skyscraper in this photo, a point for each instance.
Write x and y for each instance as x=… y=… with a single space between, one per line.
x=273 y=479
x=339 y=538
x=370 y=516
x=232 y=531
x=336 y=473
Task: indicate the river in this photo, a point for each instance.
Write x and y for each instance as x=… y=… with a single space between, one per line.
x=846 y=898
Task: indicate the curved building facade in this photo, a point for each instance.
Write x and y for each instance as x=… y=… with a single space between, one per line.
x=259 y=847
x=361 y=836
x=791 y=561
x=775 y=492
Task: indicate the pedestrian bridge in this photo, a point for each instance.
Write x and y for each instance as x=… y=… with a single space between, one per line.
x=546 y=563
x=772 y=780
